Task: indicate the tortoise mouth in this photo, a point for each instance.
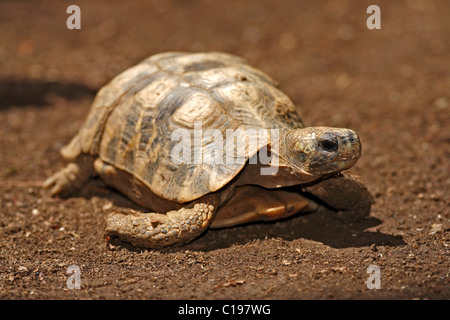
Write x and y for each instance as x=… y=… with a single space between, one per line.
x=336 y=158
x=322 y=150
x=332 y=163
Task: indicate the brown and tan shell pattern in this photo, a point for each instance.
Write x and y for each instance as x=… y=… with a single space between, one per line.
x=133 y=118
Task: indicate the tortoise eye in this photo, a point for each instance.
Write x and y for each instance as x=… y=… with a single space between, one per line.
x=328 y=145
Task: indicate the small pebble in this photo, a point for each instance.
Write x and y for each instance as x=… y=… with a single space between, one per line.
x=435 y=228
x=22 y=269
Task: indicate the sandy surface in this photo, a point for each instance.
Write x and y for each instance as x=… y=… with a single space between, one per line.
x=390 y=85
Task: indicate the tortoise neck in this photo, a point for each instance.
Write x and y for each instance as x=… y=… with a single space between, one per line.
x=273 y=177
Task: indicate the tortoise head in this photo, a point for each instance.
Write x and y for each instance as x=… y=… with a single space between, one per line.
x=317 y=151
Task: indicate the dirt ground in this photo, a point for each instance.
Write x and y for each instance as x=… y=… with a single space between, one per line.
x=390 y=85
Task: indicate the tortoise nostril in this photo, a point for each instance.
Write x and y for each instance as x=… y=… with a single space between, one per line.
x=350 y=141
x=328 y=145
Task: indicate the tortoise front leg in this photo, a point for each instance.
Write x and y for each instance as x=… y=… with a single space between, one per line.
x=156 y=230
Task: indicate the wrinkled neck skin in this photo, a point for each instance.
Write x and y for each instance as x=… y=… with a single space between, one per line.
x=282 y=174
x=283 y=177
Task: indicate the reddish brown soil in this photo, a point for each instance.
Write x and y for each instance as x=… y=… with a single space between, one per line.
x=390 y=85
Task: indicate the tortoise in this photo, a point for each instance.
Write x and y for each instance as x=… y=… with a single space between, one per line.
x=205 y=140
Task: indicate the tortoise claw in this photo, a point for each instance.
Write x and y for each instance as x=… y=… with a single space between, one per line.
x=71 y=177
x=63 y=180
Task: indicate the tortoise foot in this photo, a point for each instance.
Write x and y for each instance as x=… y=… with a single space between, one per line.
x=71 y=177
x=65 y=180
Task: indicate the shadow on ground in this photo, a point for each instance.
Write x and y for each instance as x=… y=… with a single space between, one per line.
x=322 y=226
x=23 y=92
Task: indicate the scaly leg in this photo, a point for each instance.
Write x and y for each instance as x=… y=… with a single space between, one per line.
x=156 y=230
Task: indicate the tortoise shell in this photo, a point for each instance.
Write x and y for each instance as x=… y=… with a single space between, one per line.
x=133 y=118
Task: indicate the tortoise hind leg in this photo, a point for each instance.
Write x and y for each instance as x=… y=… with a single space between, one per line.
x=72 y=177
x=156 y=230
